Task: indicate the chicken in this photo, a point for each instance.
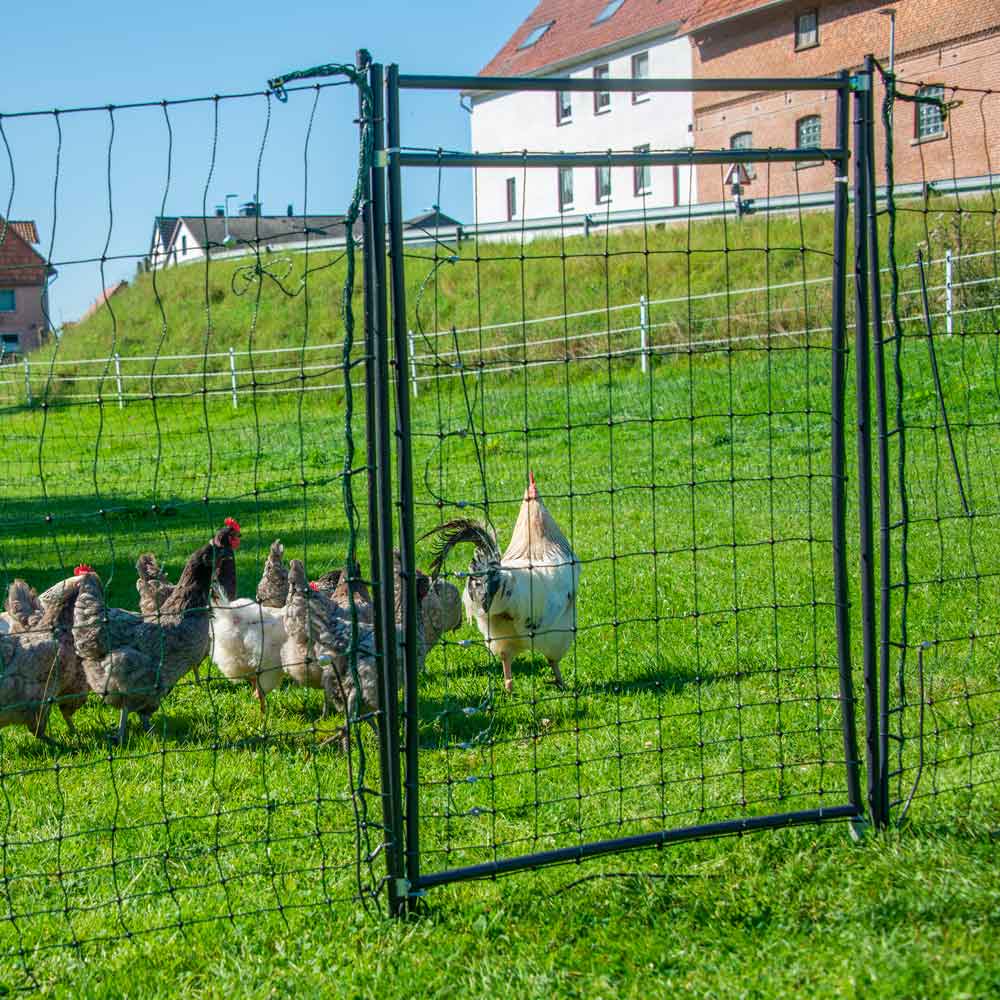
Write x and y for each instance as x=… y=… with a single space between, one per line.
x=247 y=638
x=440 y=611
x=153 y=585
x=39 y=665
x=524 y=600
x=316 y=652
x=272 y=591
x=133 y=663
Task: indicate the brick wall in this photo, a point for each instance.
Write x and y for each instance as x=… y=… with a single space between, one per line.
x=937 y=41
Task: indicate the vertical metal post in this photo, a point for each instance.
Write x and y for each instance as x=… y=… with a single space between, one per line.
x=232 y=376
x=948 y=293
x=862 y=371
x=118 y=380
x=377 y=370
x=404 y=457
x=27 y=379
x=838 y=462
x=413 y=363
x=643 y=333
x=881 y=415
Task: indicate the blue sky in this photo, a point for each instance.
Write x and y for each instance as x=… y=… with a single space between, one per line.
x=68 y=55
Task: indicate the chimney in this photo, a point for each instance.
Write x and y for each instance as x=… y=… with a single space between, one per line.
x=220 y=211
x=291 y=210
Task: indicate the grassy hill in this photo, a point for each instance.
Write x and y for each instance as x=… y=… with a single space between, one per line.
x=697 y=277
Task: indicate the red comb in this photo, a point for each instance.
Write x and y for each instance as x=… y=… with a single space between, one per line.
x=314 y=585
x=231 y=522
x=81 y=569
x=532 y=489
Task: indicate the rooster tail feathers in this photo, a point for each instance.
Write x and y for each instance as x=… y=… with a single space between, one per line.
x=148 y=568
x=89 y=620
x=457 y=532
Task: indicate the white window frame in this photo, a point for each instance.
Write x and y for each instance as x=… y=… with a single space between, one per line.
x=602 y=191
x=602 y=98
x=561 y=118
x=565 y=203
x=928 y=112
x=800 y=34
x=642 y=175
x=638 y=96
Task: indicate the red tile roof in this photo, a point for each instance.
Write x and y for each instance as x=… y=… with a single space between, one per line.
x=573 y=33
x=20 y=262
x=712 y=11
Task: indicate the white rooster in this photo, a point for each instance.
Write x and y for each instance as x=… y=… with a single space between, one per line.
x=525 y=599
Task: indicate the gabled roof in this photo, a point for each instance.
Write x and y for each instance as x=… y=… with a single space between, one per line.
x=271 y=230
x=163 y=226
x=713 y=11
x=102 y=298
x=573 y=34
x=20 y=262
x=430 y=220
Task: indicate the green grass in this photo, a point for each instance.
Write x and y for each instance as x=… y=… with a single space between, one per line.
x=679 y=708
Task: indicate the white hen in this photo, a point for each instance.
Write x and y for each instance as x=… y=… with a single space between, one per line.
x=524 y=600
x=246 y=643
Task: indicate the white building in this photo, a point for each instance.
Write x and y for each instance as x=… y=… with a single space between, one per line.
x=587 y=39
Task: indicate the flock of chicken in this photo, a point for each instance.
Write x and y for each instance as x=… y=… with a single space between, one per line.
x=58 y=647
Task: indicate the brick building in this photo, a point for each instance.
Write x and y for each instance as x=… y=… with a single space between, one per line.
x=23 y=289
x=938 y=42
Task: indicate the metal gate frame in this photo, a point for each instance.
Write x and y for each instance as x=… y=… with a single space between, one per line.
x=401 y=784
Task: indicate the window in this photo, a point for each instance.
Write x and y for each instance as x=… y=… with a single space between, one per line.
x=511 y=198
x=565 y=188
x=807 y=132
x=7 y=302
x=744 y=140
x=602 y=178
x=609 y=10
x=807 y=30
x=184 y=246
x=641 y=181
x=640 y=70
x=534 y=35
x=11 y=341
x=564 y=107
x=930 y=117
x=602 y=98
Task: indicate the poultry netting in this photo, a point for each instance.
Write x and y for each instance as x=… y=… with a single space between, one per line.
x=156 y=776
x=623 y=455
x=941 y=696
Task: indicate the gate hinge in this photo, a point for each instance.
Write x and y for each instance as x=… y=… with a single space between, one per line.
x=861 y=82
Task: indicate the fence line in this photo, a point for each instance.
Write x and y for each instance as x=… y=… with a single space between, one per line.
x=231 y=370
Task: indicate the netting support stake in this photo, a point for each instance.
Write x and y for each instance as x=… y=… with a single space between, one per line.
x=643 y=333
x=413 y=364
x=27 y=379
x=948 y=293
x=118 y=380
x=862 y=369
x=232 y=376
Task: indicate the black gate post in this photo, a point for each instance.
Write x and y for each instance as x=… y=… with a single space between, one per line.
x=407 y=536
x=862 y=369
x=881 y=414
x=380 y=475
x=837 y=450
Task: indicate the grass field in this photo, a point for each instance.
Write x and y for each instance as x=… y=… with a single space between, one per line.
x=217 y=857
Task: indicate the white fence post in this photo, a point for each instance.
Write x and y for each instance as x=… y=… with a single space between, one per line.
x=27 y=379
x=643 y=333
x=413 y=364
x=948 y=293
x=232 y=376
x=118 y=380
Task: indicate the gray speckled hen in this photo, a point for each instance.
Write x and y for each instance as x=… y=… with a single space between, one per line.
x=272 y=591
x=38 y=662
x=319 y=641
x=132 y=663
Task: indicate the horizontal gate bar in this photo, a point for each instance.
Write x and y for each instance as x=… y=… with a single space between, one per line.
x=580 y=853
x=684 y=158
x=416 y=81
